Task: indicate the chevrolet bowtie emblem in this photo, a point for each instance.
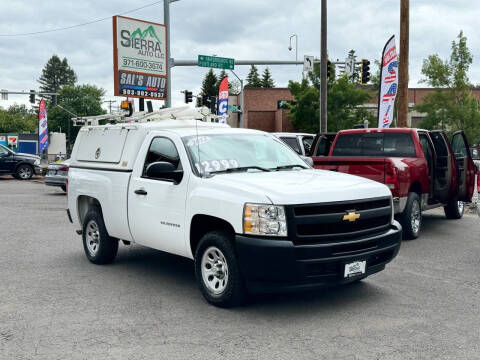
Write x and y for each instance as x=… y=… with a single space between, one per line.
x=351 y=216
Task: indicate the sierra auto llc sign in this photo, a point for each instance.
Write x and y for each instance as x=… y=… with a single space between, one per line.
x=139 y=58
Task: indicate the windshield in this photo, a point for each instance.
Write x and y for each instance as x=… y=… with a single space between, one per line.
x=240 y=152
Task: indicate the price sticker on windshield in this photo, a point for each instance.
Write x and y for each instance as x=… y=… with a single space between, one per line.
x=208 y=166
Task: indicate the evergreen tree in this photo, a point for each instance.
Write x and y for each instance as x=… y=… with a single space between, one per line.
x=253 y=79
x=267 y=80
x=55 y=74
x=209 y=86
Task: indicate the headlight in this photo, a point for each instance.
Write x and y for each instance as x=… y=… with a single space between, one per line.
x=37 y=162
x=259 y=219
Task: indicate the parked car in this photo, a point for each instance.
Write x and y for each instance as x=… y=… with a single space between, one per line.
x=21 y=166
x=299 y=142
x=57 y=174
x=250 y=212
x=422 y=168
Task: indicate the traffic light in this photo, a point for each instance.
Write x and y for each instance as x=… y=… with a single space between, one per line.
x=213 y=104
x=329 y=69
x=365 y=72
x=32 y=96
x=188 y=96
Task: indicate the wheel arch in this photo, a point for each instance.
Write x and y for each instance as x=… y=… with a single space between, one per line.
x=416 y=187
x=202 y=224
x=84 y=204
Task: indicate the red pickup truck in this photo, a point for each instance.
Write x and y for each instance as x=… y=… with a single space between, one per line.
x=422 y=168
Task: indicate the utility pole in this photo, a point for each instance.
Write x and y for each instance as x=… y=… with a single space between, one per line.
x=323 y=68
x=402 y=104
x=110 y=102
x=166 y=21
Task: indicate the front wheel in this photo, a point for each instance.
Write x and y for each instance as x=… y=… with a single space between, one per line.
x=99 y=247
x=217 y=270
x=24 y=172
x=411 y=218
x=454 y=209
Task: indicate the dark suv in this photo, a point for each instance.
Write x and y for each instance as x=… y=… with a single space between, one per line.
x=22 y=166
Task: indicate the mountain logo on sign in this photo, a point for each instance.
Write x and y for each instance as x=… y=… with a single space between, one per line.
x=146 y=42
x=148 y=31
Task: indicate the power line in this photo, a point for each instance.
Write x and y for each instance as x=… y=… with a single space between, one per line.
x=79 y=25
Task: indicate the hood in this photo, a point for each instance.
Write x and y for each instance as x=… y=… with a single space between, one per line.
x=27 y=155
x=303 y=186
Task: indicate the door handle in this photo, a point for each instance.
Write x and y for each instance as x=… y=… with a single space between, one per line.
x=140 y=192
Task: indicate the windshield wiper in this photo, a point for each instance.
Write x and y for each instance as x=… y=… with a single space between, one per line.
x=289 y=167
x=241 y=168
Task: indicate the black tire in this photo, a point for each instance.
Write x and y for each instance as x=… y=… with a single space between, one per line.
x=454 y=210
x=64 y=188
x=24 y=172
x=412 y=210
x=95 y=233
x=234 y=292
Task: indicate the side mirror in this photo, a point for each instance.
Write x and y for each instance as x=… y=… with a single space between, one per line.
x=163 y=170
x=308 y=160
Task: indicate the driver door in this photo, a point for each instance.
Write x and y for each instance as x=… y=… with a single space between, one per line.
x=156 y=207
x=465 y=166
x=7 y=163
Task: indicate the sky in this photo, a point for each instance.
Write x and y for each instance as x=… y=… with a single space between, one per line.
x=243 y=30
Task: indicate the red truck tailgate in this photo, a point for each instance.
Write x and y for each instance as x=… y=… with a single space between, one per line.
x=371 y=168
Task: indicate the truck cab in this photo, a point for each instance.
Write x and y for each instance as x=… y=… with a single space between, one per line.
x=250 y=212
x=422 y=168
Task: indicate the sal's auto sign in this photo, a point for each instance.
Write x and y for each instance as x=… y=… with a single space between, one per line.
x=139 y=58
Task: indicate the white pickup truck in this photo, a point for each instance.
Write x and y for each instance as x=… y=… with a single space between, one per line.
x=251 y=213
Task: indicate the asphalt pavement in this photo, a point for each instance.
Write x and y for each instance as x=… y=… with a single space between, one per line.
x=54 y=304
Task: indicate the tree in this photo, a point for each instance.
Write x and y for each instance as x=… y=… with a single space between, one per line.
x=267 y=80
x=253 y=79
x=209 y=86
x=451 y=106
x=17 y=119
x=343 y=103
x=81 y=100
x=55 y=74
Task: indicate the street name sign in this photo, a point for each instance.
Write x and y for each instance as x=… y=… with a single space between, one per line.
x=139 y=58
x=216 y=62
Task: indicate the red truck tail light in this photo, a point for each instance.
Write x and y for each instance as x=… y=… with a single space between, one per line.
x=391 y=176
x=63 y=168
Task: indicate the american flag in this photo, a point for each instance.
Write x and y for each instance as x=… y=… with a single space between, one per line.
x=393 y=74
x=390 y=93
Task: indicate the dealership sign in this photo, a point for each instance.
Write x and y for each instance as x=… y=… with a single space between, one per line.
x=139 y=58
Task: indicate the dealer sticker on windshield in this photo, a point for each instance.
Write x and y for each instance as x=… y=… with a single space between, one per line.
x=216 y=165
x=355 y=268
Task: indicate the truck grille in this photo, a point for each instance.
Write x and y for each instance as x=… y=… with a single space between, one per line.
x=324 y=223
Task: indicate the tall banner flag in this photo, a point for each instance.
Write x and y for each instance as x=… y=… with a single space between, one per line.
x=388 y=84
x=42 y=127
x=223 y=100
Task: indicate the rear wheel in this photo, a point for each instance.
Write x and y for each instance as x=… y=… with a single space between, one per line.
x=454 y=209
x=217 y=270
x=99 y=247
x=24 y=172
x=411 y=217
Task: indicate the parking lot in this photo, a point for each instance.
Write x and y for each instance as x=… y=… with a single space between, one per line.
x=55 y=304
